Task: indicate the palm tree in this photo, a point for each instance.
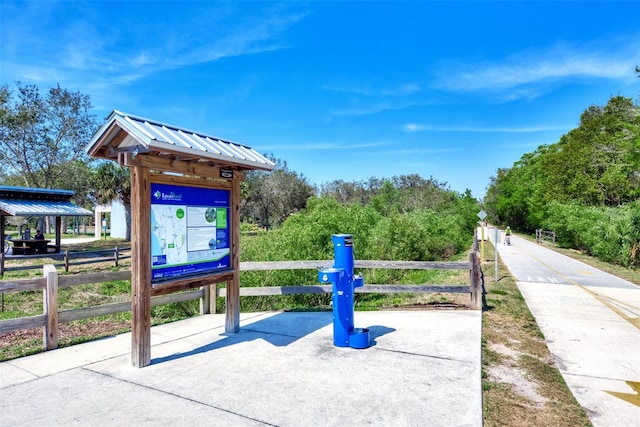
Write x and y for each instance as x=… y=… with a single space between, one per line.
x=111 y=183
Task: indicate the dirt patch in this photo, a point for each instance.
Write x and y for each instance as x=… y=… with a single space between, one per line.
x=435 y=301
x=428 y=306
x=508 y=373
x=27 y=341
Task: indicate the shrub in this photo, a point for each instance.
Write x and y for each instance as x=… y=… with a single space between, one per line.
x=609 y=233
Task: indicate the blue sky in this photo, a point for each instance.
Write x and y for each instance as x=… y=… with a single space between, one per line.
x=340 y=90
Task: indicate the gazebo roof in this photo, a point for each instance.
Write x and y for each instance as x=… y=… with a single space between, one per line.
x=126 y=133
x=27 y=201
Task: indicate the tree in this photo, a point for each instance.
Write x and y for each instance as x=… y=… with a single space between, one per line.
x=80 y=179
x=346 y=192
x=41 y=135
x=270 y=197
x=112 y=182
x=595 y=164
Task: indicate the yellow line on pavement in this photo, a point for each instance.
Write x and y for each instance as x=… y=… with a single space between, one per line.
x=635 y=321
x=634 y=399
x=607 y=301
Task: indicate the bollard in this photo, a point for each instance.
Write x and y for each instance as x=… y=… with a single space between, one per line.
x=344 y=283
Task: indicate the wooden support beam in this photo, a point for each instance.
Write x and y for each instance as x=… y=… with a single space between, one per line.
x=232 y=319
x=140 y=267
x=187 y=167
x=190 y=283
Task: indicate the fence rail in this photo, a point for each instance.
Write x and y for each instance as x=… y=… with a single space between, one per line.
x=545 y=235
x=51 y=282
x=75 y=258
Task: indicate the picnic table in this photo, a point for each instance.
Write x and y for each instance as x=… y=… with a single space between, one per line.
x=29 y=246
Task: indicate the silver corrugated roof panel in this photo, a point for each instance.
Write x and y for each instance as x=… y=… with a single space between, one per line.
x=45 y=192
x=37 y=208
x=164 y=138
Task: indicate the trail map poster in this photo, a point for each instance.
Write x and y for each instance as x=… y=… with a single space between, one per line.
x=189 y=231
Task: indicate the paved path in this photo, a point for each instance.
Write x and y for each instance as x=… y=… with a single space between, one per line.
x=591 y=322
x=72 y=240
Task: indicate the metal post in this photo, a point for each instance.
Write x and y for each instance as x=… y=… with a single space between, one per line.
x=495 y=244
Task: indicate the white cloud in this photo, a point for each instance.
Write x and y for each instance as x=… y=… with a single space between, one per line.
x=374 y=90
x=322 y=146
x=423 y=151
x=605 y=59
x=71 y=42
x=415 y=127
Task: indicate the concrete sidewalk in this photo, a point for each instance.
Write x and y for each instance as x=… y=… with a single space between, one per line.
x=75 y=240
x=591 y=323
x=423 y=369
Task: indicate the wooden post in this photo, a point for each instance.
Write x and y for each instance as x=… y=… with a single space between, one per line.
x=476 y=288
x=115 y=256
x=205 y=301
x=50 y=307
x=66 y=260
x=475 y=239
x=3 y=242
x=213 y=309
x=1 y=263
x=58 y=231
x=232 y=319
x=209 y=299
x=140 y=267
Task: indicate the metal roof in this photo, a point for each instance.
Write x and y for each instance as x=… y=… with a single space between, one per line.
x=149 y=136
x=41 y=208
x=27 y=201
x=10 y=191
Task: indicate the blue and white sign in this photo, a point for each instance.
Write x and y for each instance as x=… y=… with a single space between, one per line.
x=189 y=231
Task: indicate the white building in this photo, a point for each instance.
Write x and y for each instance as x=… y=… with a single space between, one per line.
x=117 y=225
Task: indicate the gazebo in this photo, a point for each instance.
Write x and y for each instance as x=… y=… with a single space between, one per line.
x=27 y=201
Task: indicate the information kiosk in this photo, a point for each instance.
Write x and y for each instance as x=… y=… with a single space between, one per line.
x=185 y=213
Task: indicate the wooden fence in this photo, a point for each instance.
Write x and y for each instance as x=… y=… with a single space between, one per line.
x=51 y=282
x=114 y=255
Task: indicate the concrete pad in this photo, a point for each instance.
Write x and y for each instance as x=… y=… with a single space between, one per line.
x=82 y=397
x=12 y=375
x=280 y=369
x=63 y=359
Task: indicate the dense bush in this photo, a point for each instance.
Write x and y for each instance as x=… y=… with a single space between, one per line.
x=417 y=235
x=424 y=236
x=306 y=235
x=609 y=233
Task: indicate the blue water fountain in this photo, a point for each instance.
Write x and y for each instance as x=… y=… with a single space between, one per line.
x=344 y=284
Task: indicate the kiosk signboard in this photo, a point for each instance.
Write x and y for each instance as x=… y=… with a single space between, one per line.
x=189 y=231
